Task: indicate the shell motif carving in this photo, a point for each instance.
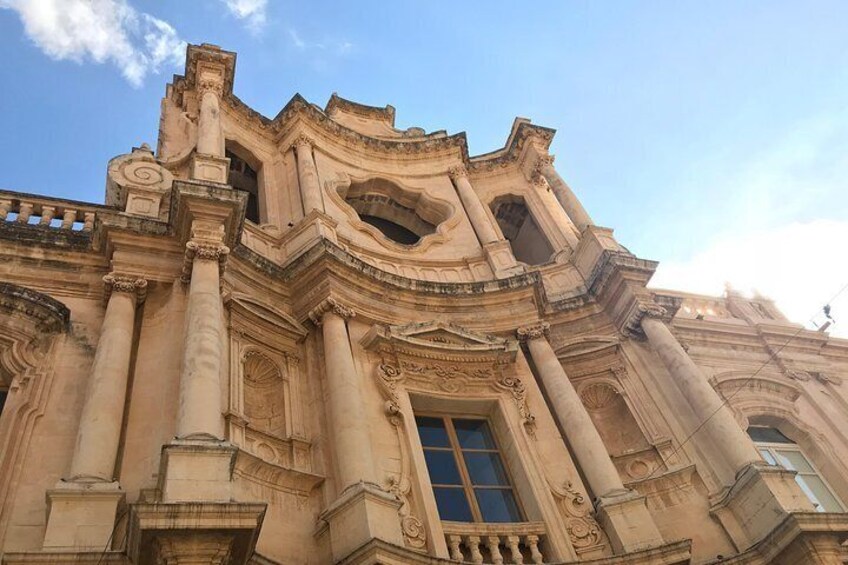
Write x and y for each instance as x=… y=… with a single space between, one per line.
x=598 y=395
x=260 y=370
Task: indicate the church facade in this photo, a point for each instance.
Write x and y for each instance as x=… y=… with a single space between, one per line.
x=321 y=339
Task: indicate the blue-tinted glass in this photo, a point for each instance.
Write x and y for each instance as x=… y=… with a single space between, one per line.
x=432 y=432
x=485 y=468
x=452 y=504
x=770 y=435
x=497 y=505
x=442 y=467
x=473 y=434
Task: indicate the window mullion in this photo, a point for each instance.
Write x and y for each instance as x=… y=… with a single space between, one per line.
x=463 y=471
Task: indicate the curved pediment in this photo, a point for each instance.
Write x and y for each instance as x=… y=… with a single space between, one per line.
x=741 y=383
x=440 y=340
x=587 y=347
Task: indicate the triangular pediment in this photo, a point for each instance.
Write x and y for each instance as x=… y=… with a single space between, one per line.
x=440 y=339
x=265 y=316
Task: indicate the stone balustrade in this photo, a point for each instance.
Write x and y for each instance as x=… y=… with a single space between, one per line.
x=495 y=543
x=47 y=212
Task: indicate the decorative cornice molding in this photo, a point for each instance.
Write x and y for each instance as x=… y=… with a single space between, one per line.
x=49 y=314
x=131 y=284
x=330 y=305
x=536 y=331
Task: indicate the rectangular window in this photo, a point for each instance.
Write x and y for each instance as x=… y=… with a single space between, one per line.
x=470 y=481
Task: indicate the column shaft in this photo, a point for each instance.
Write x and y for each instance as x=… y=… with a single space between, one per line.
x=349 y=422
x=307 y=175
x=705 y=401
x=474 y=208
x=200 y=388
x=103 y=412
x=569 y=201
x=209 y=125
x=574 y=420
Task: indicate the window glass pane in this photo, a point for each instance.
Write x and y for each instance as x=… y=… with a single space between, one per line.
x=768 y=456
x=432 y=432
x=826 y=500
x=770 y=435
x=473 y=434
x=497 y=505
x=794 y=460
x=442 y=467
x=452 y=504
x=485 y=468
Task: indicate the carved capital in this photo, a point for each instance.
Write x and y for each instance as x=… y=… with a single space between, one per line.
x=458 y=172
x=535 y=331
x=330 y=305
x=302 y=140
x=538 y=175
x=212 y=84
x=642 y=310
x=116 y=282
x=203 y=251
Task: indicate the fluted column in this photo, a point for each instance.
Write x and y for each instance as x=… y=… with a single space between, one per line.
x=200 y=388
x=209 y=140
x=569 y=201
x=102 y=414
x=349 y=427
x=307 y=175
x=572 y=416
x=473 y=207
x=705 y=401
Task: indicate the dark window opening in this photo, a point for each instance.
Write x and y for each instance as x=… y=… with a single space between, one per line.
x=529 y=244
x=393 y=231
x=470 y=481
x=243 y=177
x=3 y=394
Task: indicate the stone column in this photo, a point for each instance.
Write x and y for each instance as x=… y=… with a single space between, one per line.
x=473 y=207
x=572 y=415
x=200 y=388
x=209 y=141
x=569 y=201
x=103 y=412
x=623 y=513
x=307 y=175
x=708 y=406
x=351 y=437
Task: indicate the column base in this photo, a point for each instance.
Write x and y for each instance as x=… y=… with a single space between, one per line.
x=627 y=521
x=501 y=260
x=81 y=515
x=197 y=471
x=760 y=499
x=363 y=512
x=210 y=168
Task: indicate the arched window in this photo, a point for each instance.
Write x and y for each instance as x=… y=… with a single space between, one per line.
x=779 y=450
x=529 y=244
x=244 y=176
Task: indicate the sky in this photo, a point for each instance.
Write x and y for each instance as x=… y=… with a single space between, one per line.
x=712 y=136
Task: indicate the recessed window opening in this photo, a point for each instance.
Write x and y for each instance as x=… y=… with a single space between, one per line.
x=402 y=216
x=529 y=244
x=245 y=178
x=470 y=481
x=778 y=450
x=3 y=395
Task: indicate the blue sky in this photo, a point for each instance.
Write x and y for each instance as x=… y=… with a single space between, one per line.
x=713 y=136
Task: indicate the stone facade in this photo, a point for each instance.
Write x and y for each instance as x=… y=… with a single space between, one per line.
x=204 y=372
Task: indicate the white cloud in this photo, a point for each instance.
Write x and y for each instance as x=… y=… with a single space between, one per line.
x=800 y=266
x=252 y=12
x=100 y=30
x=298 y=42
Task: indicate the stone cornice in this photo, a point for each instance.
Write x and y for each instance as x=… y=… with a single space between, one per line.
x=49 y=314
x=336 y=102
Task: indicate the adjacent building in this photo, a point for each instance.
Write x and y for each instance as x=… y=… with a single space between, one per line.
x=321 y=339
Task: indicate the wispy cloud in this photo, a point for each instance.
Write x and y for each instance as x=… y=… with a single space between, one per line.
x=320 y=54
x=797 y=265
x=296 y=40
x=102 y=31
x=252 y=12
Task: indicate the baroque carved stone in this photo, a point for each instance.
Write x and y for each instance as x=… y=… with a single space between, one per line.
x=536 y=331
x=116 y=282
x=597 y=395
x=203 y=251
x=458 y=172
x=330 y=305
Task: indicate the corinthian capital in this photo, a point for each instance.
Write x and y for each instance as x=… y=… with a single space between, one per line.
x=642 y=310
x=458 y=172
x=302 y=140
x=542 y=163
x=330 y=305
x=536 y=331
x=211 y=84
x=203 y=251
x=116 y=282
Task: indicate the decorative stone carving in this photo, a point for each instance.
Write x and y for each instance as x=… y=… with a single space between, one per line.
x=330 y=305
x=583 y=531
x=203 y=251
x=597 y=395
x=260 y=370
x=136 y=183
x=302 y=140
x=536 y=331
x=458 y=172
x=518 y=392
x=115 y=282
x=633 y=325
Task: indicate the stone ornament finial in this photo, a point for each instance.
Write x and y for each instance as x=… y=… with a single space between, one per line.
x=116 y=282
x=458 y=172
x=330 y=305
x=536 y=331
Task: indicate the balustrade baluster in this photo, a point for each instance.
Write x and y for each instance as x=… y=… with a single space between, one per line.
x=47 y=213
x=533 y=543
x=474 y=547
x=24 y=212
x=68 y=219
x=455 y=552
x=492 y=542
x=512 y=542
